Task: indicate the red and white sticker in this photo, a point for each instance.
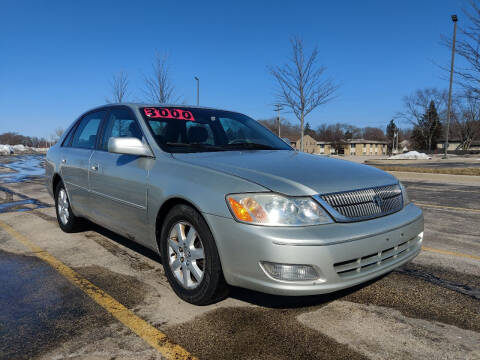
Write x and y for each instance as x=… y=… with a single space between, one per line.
x=166 y=113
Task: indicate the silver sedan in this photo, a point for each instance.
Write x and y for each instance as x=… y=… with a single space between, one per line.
x=226 y=202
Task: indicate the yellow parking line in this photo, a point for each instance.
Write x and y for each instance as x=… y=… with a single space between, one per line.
x=446 y=207
x=453 y=253
x=151 y=335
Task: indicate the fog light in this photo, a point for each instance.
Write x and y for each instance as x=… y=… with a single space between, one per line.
x=290 y=272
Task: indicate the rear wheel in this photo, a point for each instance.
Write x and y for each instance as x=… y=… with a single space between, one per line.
x=190 y=257
x=66 y=220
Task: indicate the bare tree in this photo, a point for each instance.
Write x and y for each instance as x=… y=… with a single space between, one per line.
x=351 y=131
x=466 y=119
x=290 y=131
x=158 y=85
x=334 y=133
x=373 y=133
x=417 y=105
x=57 y=133
x=119 y=87
x=302 y=84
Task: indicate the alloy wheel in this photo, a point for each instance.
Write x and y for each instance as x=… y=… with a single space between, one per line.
x=186 y=255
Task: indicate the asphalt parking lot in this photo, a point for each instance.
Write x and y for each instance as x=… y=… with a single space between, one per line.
x=96 y=295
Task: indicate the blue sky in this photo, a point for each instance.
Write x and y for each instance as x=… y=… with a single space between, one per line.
x=57 y=57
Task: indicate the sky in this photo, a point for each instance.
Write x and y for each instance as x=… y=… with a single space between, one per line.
x=57 y=58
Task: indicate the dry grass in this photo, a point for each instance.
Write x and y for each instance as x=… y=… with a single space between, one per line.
x=450 y=171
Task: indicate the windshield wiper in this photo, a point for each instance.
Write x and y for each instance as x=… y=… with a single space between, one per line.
x=208 y=147
x=250 y=146
x=194 y=146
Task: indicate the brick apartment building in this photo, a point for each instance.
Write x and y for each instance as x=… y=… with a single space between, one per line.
x=350 y=147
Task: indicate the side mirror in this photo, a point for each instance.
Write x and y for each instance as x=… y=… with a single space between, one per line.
x=128 y=146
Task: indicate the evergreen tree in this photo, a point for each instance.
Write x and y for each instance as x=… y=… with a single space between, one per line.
x=309 y=131
x=418 y=139
x=428 y=130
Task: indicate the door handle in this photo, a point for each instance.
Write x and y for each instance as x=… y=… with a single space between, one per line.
x=94 y=167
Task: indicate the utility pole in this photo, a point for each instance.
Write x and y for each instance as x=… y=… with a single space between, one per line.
x=278 y=107
x=198 y=90
x=396 y=143
x=454 y=19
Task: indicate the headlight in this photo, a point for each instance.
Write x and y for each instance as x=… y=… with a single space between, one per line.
x=406 y=200
x=276 y=210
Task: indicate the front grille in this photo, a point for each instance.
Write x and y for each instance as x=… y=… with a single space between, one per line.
x=354 y=267
x=365 y=204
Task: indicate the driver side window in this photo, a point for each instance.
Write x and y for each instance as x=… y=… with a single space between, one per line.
x=120 y=123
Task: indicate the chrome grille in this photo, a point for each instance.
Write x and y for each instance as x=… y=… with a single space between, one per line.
x=354 y=267
x=366 y=203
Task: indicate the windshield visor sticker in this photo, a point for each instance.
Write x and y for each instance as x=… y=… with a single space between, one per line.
x=166 y=113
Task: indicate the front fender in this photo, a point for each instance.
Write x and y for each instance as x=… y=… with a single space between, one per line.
x=204 y=188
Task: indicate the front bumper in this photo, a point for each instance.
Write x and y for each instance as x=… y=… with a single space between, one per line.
x=343 y=254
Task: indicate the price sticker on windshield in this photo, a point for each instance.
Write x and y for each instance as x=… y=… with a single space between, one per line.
x=166 y=113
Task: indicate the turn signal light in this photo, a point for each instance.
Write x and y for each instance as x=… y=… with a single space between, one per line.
x=240 y=212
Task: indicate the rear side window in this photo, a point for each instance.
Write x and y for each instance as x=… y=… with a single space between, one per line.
x=85 y=136
x=68 y=138
x=120 y=123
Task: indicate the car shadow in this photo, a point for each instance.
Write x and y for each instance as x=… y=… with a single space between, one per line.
x=292 y=302
x=249 y=296
x=132 y=245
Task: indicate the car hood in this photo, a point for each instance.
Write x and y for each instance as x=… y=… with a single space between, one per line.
x=291 y=172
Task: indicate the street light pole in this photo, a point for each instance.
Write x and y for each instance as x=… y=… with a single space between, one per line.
x=454 y=19
x=278 y=107
x=396 y=142
x=198 y=90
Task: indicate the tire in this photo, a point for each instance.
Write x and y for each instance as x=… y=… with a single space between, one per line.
x=195 y=279
x=67 y=221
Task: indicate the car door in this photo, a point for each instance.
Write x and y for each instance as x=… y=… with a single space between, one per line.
x=75 y=157
x=118 y=182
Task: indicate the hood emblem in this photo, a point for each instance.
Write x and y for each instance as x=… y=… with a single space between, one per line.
x=377 y=200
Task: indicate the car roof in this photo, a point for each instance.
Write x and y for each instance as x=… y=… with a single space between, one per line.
x=139 y=105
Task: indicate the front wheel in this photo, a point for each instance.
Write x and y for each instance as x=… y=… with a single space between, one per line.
x=190 y=257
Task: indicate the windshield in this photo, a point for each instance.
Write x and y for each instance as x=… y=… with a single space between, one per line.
x=178 y=129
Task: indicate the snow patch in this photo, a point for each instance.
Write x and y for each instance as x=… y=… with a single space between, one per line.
x=6 y=149
x=411 y=155
x=18 y=149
